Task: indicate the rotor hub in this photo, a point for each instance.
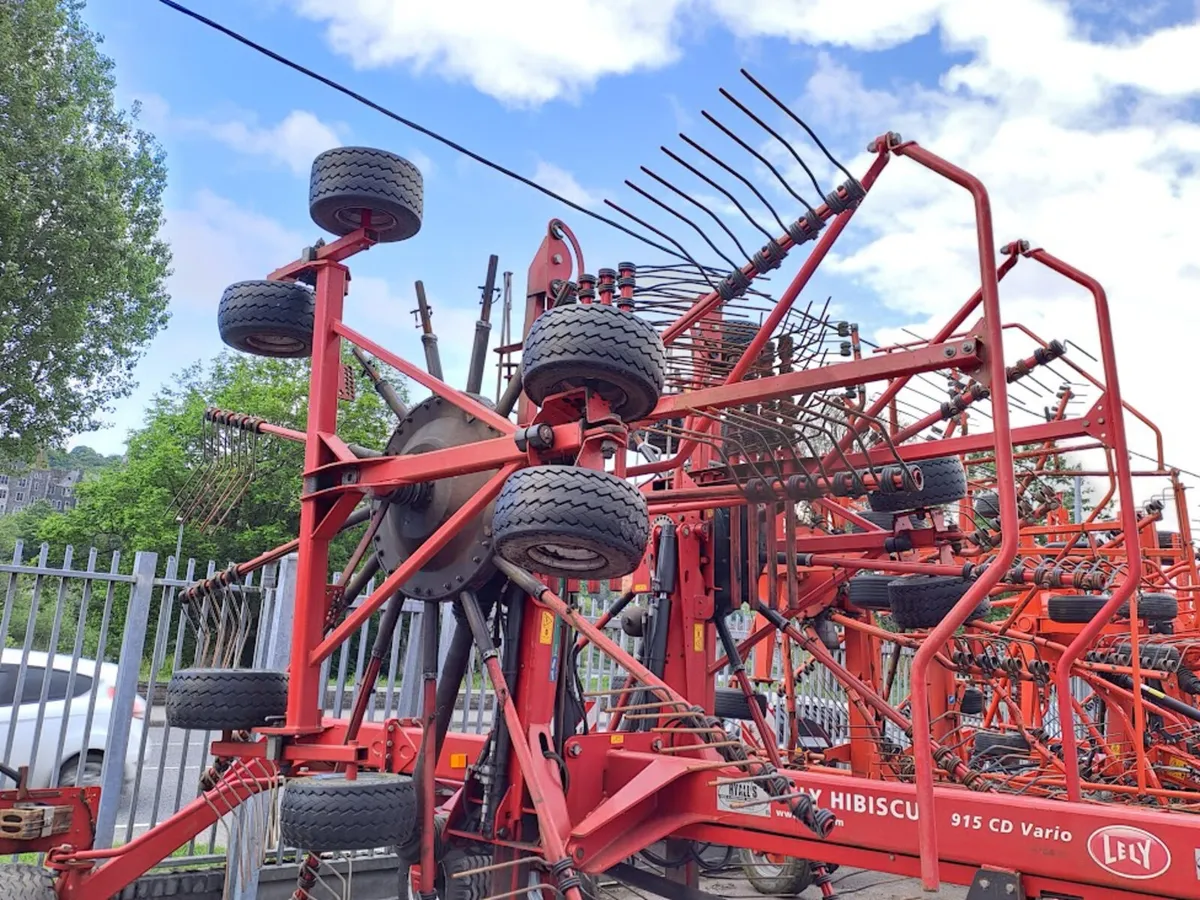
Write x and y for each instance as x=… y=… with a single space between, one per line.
x=416 y=511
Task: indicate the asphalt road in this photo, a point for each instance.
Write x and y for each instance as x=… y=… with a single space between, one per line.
x=166 y=780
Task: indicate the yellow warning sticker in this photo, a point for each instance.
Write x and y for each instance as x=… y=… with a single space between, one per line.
x=616 y=738
x=546 y=634
x=698 y=637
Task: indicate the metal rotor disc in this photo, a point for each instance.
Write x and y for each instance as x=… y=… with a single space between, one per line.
x=465 y=562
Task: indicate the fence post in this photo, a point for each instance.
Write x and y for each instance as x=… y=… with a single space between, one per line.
x=247 y=842
x=129 y=666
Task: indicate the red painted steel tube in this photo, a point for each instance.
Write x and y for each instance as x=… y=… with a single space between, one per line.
x=751 y=351
x=129 y=861
x=944 y=333
x=1139 y=415
x=410 y=566
x=1006 y=489
x=466 y=403
x=534 y=776
x=606 y=645
x=1129 y=525
x=312 y=568
x=280 y=431
x=788 y=384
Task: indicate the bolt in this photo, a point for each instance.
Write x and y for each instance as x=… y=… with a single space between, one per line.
x=579 y=853
x=968 y=347
x=608 y=449
x=556 y=259
x=1010 y=888
x=1101 y=421
x=948 y=352
x=574 y=749
x=984 y=883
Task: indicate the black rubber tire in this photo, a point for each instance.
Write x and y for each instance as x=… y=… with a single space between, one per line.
x=22 y=882
x=328 y=813
x=1074 y=608
x=731 y=703
x=601 y=347
x=1082 y=608
x=885 y=520
x=987 y=507
x=972 y=702
x=945 y=481
x=347 y=180
x=1153 y=608
x=220 y=699
x=787 y=879
x=471 y=887
x=1188 y=682
x=267 y=318
x=93 y=768
x=571 y=523
x=867 y=591
x=999 y=743
x=922 y=601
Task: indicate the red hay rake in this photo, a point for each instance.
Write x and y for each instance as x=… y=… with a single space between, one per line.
x=1049 y=743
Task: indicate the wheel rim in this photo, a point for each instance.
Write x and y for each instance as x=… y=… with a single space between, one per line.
x=566 y=556
x=380 y=220
x=765 y=864
x=92 y=774
x=275 y=343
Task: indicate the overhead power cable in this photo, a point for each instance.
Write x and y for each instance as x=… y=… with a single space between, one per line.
x=453 y=145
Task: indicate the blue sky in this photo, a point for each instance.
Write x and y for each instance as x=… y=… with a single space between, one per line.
x=1075 y=114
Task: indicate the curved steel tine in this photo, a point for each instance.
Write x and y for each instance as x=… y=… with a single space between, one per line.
x=887 y=439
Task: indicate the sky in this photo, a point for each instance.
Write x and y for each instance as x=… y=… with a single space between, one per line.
x=1083 y=119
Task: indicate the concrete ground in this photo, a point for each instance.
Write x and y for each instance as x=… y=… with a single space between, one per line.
x=847 y=882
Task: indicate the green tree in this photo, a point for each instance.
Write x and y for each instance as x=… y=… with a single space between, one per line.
x=25 y=525
x=82 y=457
x=130 y=507
x=82 y=267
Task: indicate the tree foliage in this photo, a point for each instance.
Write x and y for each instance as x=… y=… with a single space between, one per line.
x=82 y=267
x=129 y=507
x=83 y=458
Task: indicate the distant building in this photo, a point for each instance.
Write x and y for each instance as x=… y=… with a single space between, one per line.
x=55 y=486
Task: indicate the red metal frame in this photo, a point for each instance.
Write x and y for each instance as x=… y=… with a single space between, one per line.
x=632 y=788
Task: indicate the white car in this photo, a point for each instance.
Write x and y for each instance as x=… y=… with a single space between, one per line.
x=64 y=717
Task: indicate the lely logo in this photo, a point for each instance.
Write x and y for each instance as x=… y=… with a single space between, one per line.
x=1128 y=852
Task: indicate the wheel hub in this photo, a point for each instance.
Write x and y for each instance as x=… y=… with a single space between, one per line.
x=417 y=511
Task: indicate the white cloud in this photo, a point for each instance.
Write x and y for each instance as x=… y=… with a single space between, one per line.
x=1085 y=149
x=563 y=182
x=422 y=162
x=216 y=242
x=520 y=52
x=293 y=142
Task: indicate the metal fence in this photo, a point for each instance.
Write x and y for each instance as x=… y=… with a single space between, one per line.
x=110 y=639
